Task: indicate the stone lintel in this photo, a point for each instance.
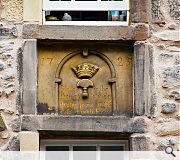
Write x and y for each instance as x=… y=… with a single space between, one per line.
x=81 y=123
x=138 y=31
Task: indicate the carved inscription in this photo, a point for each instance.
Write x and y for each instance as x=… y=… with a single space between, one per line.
x=92 y=80
x=99 y=102
x=124 y=61
x=44 y=61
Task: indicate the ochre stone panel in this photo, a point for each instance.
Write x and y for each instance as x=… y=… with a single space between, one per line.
x=89 y=79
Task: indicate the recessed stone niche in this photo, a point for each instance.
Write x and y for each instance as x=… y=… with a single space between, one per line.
x=84 y=78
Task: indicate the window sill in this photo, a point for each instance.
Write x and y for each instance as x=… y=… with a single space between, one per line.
x=135 y=32
x=87 y=23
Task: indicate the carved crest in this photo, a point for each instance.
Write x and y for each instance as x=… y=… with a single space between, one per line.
x=85 y=70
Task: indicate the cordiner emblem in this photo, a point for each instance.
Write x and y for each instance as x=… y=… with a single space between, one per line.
x=84 y=72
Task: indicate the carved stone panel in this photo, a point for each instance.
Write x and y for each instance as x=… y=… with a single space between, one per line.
x=84 y=79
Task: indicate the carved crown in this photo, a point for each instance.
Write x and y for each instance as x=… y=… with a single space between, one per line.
x=85 y=70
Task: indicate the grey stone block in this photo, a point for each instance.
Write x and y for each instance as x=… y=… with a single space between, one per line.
x=140 y=143
x=8 y=31
x=133 y=32
x=83 y=123
x=175 y=95
x=144 y=87
x=168 y=108
x=171 y=76
x=16 y=124
x=13 y=144
x=29 y=76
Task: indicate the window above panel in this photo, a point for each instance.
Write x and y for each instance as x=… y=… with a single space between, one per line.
x=84 y=145
x=86 y=12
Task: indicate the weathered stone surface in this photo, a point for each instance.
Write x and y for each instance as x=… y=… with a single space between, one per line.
x=133 y=32
x=166 y=58
x=8 y=31
x=174 y=9
x=83 y=123
x=139 y=11
x=141 y=32
x=16 y=124
x=171 y=76
x=12 y=144
x=168 y=108
x=2 y=65
x=168 y=35
x=4 y=134
x=139 y=125
x=172 y=26
x=32 y=126
x=177 y=59
x=175 y=95
x=30 y=30
x=144 y=94
x=172 y=141
x=165 y=141
x=14 y=10
x=2 y=124
x=29 y=76
x=173 y=48
x=2 y=10
x=155 y=9
x=9 y=74
x=6 y=47
x=140 y=142
x=167 y=128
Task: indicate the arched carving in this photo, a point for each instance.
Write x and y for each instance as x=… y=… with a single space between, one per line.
x=112 y=80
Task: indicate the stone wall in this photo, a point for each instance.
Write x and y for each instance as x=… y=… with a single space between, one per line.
x=165 y=39
x=10 y=49
x=162 y=126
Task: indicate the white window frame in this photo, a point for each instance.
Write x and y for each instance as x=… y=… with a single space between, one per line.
x=71 y=143
x=86 y=6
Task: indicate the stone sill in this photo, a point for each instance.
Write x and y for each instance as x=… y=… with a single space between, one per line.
x=119 y=124
x=139 y=31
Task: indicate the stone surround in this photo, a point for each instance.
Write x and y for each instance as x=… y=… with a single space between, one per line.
x=154 y=28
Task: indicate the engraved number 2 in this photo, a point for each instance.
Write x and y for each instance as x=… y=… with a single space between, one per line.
x=120 y=61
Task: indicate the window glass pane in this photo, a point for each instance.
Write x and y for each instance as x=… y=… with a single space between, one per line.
x=86 y=15
x=57 y=148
